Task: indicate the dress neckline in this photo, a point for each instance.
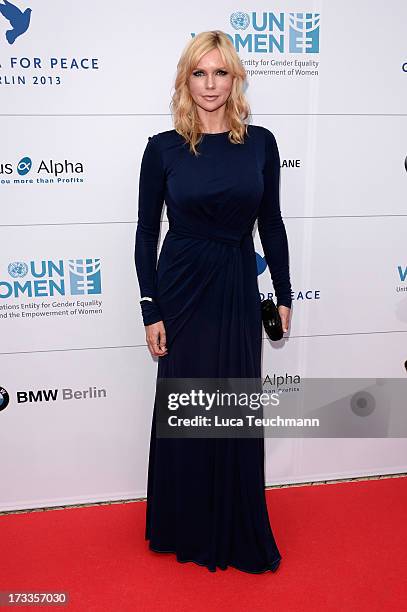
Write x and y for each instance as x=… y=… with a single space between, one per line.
x=215 y=133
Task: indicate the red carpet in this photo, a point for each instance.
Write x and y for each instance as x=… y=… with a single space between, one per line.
x=343 y=547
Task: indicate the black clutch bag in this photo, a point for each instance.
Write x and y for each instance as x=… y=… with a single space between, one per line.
x=271 y=320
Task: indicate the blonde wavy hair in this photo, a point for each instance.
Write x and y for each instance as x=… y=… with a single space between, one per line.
x=183 y=107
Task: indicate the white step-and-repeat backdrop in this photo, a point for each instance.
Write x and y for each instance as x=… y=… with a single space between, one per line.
x=81 y=91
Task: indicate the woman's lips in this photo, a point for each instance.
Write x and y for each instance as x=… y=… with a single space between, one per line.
x=210 y=97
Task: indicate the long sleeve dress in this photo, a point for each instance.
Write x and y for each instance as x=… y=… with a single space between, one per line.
x=206 y=496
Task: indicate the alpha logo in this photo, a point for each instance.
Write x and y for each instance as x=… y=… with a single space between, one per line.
x=45 y=170
x=282 y=32
x=4 y=398
x=48 y=278
x=279 y=380
x=24 y=166
x=18 y=20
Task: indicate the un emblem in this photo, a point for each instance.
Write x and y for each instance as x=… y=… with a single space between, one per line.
x=17 y=269
x=239 y=21
x=304 y=32
x=84 y=276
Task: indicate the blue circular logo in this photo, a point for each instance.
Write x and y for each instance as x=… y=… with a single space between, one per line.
x=17 y=269
x=24 y=166
x=239 y=20
x=4 y=398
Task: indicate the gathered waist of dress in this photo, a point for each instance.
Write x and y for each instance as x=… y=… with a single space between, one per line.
x=224 y=237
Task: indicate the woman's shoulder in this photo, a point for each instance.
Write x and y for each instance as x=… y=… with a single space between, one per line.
x=261 y=131
x=163 y=137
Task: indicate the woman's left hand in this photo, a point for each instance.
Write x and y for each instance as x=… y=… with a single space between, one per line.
x=284 y=313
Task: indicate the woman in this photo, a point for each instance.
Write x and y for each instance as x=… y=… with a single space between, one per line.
x=201 y=306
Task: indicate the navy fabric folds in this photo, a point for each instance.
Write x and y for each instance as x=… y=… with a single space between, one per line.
x=205 y=497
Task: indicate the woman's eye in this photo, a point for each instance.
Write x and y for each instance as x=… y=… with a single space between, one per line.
x=199 y=72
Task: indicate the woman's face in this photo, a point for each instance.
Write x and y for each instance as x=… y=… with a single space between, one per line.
x=210 y=83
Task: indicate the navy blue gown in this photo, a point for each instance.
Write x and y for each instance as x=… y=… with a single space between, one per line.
x=206 y=496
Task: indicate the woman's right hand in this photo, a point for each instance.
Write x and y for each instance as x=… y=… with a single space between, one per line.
x=156 y=339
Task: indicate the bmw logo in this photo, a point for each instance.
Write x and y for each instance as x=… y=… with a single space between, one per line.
x=4 y=398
